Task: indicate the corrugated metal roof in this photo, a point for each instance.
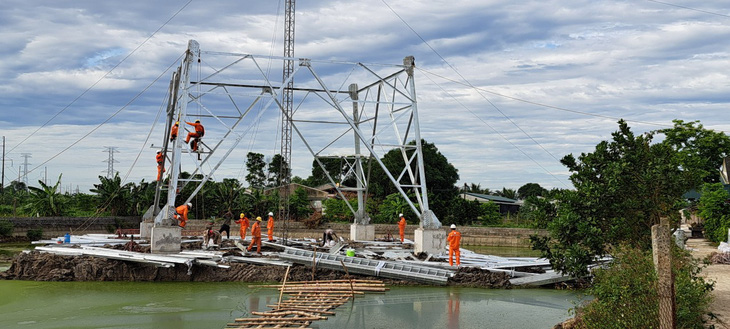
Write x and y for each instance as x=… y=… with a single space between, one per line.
x=493 y=198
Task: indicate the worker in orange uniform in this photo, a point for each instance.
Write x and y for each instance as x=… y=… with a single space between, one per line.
x=160 y=164
x=196 y=135
x=181 y=214
x=454 y=240
x=270 y=227
x=402 y=227
x=173 y=131
x=255 y=236
x=243 y=220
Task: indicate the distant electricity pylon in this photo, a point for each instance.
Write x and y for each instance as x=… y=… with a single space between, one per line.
x=25 y=167
x=110 y=161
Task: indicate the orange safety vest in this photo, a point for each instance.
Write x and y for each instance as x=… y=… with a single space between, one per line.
x=402 y=224
x=256 y=230
x=183 y=211
x=454 y=239
x=198 y=128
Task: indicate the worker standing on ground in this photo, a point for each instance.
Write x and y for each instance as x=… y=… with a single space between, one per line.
x=181 y=214
x=270 y=227
x=255 y=236
x=196 y=135
x=160 y=164
x=244 y=225
x=402 y=227
x=226 y=225
x=454 y=240
x=173 y=130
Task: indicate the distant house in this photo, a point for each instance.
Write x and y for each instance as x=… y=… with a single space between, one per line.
x=314 y=195
x=506 y=205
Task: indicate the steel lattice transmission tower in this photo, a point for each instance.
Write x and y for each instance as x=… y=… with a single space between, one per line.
x=110 y=160
x=287 y=95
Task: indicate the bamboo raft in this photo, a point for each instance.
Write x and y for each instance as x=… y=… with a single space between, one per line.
x=307 y=301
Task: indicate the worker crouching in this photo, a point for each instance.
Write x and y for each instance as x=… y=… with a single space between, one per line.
x=181 y=214
x=195 y=135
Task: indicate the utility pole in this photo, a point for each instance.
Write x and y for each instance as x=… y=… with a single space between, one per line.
x=2 y=184
x=25 y=167
x=110 y=161
x=287 y=111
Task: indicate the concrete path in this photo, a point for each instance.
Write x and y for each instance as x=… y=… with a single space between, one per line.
x=702 y=248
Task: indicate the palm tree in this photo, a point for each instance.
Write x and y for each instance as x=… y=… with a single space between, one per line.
x=46 y=200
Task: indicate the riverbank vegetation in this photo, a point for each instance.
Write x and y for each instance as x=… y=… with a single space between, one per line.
x=622 y=189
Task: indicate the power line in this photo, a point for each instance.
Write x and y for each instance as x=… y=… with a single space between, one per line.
x=471 y=85
x=690 y=8
x=102 y=77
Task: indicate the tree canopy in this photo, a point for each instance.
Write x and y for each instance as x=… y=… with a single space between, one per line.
x=622 y=188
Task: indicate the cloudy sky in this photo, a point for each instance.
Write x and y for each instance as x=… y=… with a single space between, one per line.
x=505 y=88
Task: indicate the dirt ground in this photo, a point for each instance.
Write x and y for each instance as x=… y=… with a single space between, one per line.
x=719 y=273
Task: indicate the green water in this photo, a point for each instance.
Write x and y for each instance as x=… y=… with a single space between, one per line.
x=155 y=305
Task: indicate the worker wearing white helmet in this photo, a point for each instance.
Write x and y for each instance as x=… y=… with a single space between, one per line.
x=454 y=240
x=181 y=214
x=270 y=227
x=402 y=227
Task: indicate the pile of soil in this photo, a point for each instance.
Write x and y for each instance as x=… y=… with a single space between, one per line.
x=478 y=278
x=37 y=266
x=720 y=258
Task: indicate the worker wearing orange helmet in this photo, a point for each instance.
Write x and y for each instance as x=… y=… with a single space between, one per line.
x=255 y=236
x=173 y=130
x=196 y=135
x=243 y=220
x=160 y=158
x=270 y=227
x=402 y=227
x=181 y=214
x=454 y=240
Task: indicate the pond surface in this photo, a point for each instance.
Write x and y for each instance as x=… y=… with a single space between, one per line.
x=160 y=305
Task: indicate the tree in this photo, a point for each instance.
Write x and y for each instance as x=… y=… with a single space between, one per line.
x=278 y=170
x=623 y=188
x=299 y=206
x=46 y=200
x=112 y=195
x=441 y=176
x=335 y=167
x=255 y=165
x=507 y=193
x=226 y=193
x=715 y=210
x=540 y=211
x=700 y=151
x=530 y=189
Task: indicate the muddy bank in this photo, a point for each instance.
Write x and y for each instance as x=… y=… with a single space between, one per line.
x=37 y=266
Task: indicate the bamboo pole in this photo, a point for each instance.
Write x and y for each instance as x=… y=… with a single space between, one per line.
x=314 y=262
x=284 y=284
x=348 y=277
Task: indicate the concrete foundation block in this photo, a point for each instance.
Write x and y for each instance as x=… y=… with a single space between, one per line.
x=429 y=241
x=362 y=232
x=165 y=239
x=145 y=230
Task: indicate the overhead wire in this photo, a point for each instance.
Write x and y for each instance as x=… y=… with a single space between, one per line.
x=689 y=8
x=469 y=84
x=102 y=77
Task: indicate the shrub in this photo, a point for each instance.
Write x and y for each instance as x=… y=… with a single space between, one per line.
x=6 y=227
x=34 y=234
x=713 y=207
x=626 y=296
